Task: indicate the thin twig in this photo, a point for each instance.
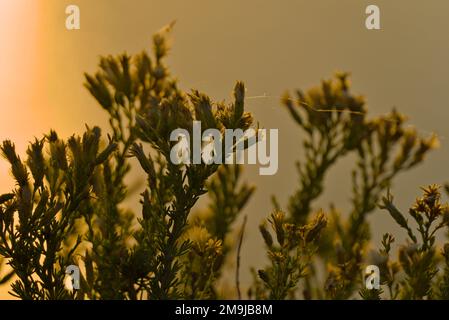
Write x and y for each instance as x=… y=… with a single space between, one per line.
x=239 y=248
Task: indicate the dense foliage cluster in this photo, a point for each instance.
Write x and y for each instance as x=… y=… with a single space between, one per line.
x=67 y=207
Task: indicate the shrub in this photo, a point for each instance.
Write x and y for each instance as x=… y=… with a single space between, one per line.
x=335 y=124
x=68 y=203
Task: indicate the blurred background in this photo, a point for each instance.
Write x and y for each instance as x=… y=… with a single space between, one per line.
x=271 y=45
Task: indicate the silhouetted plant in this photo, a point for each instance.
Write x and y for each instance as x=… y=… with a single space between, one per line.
x=335 y=124
x=228 y=195
x=68 y=203
x=122 y=259
x=174 y=189
x=291 y=256
x=419 y=259
x=37 y=216
x=145 y=95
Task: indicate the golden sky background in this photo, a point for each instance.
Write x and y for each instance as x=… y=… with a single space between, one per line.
x=271 y=45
